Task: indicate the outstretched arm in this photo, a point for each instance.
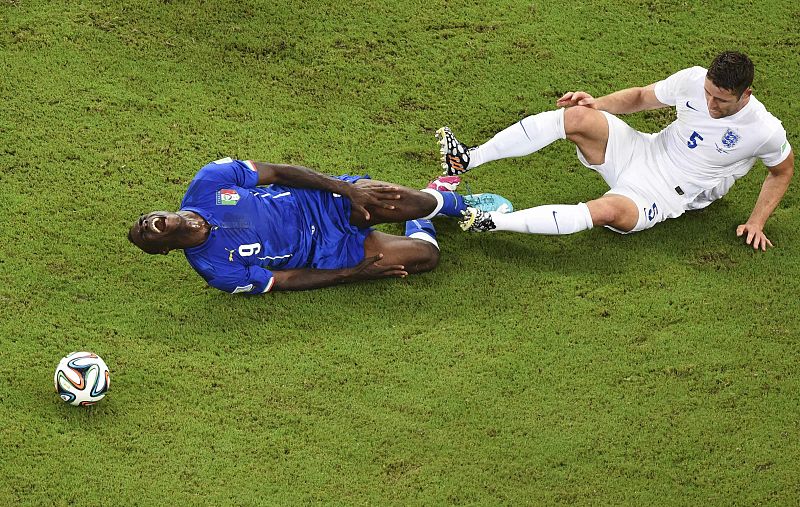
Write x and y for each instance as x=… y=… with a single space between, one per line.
x=306 y=278
x=772 y=191
x=303 y=177
x=630 y=100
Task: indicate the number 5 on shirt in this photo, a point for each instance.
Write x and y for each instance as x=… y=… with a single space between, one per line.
x=693 y=140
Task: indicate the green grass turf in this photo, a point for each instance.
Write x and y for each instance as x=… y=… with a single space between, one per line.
x=657 y=368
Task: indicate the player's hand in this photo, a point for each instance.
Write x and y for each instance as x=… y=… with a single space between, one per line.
x=372 y=196
x=369 y=269
x=754 y=236
x=576 y=99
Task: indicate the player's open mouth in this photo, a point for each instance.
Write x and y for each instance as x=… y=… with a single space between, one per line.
x=157 y=224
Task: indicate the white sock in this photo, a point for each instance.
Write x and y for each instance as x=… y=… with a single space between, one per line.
x=439 y=202
x=522 y=138
x=424 y=236
x=549 y=219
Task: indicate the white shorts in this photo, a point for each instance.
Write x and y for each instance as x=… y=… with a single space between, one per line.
x=631 y=169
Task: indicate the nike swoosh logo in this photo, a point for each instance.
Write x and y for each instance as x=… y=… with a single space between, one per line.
x=689 y=106
x=556 y=221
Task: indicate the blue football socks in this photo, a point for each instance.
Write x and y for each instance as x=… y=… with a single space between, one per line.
x=449 y=204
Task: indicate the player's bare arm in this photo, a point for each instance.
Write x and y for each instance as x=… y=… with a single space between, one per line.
x=772 y=191
x=361 y=197
x=306 y=278
x=629 y=100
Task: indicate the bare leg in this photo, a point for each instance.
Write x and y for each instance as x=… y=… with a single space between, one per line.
x=615 y=210
x=416 y=255
x=412 y=204
x=588 y=129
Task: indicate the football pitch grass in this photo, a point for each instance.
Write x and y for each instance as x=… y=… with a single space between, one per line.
x=659 y=368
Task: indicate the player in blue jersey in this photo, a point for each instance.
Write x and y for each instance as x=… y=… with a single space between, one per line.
x=251 y=227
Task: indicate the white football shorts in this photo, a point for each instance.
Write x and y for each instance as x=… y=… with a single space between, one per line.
x=631 y=169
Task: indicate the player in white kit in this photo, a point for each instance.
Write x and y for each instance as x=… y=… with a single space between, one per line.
x=720 y=131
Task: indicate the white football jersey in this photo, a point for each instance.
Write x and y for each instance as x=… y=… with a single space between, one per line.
x=704 y=156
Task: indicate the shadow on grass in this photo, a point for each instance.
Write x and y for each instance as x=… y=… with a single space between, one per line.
x=700 y=238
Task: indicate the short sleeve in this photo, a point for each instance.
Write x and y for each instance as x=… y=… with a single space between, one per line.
x=775 y=149
x=670 y=89
x=245 y=280
x=241 y=173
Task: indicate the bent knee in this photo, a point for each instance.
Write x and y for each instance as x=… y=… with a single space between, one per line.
x=615 y=210
x=425 y=259
x=581 y=119
x=602 y=214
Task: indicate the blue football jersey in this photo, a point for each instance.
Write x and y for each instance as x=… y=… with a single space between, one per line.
x=257 y=230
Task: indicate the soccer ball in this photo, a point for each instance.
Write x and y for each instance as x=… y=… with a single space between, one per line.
x=81 y=378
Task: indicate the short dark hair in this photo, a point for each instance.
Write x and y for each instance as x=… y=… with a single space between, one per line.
x=732 y=71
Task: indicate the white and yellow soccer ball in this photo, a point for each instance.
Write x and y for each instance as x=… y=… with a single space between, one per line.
x=81 y=378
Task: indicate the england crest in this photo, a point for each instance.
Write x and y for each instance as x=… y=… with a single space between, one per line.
x=730 y=138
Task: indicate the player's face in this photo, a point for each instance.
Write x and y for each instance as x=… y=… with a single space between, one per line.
x=722 y=102
x=152 y=232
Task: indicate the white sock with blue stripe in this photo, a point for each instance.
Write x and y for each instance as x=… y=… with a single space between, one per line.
x=549 y=219
x=522 y=138
x=422 y=229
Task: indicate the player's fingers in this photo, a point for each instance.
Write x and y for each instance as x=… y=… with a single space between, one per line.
x=361 y=209
x=396 y=273
x=392 y=193
x=750 y=236
x=740 y=230
x=379 y=196
x=389 y=193
x=762 y=242
x=768 y=242
x=388 y=270
x=383 y=202
x=564 y=97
